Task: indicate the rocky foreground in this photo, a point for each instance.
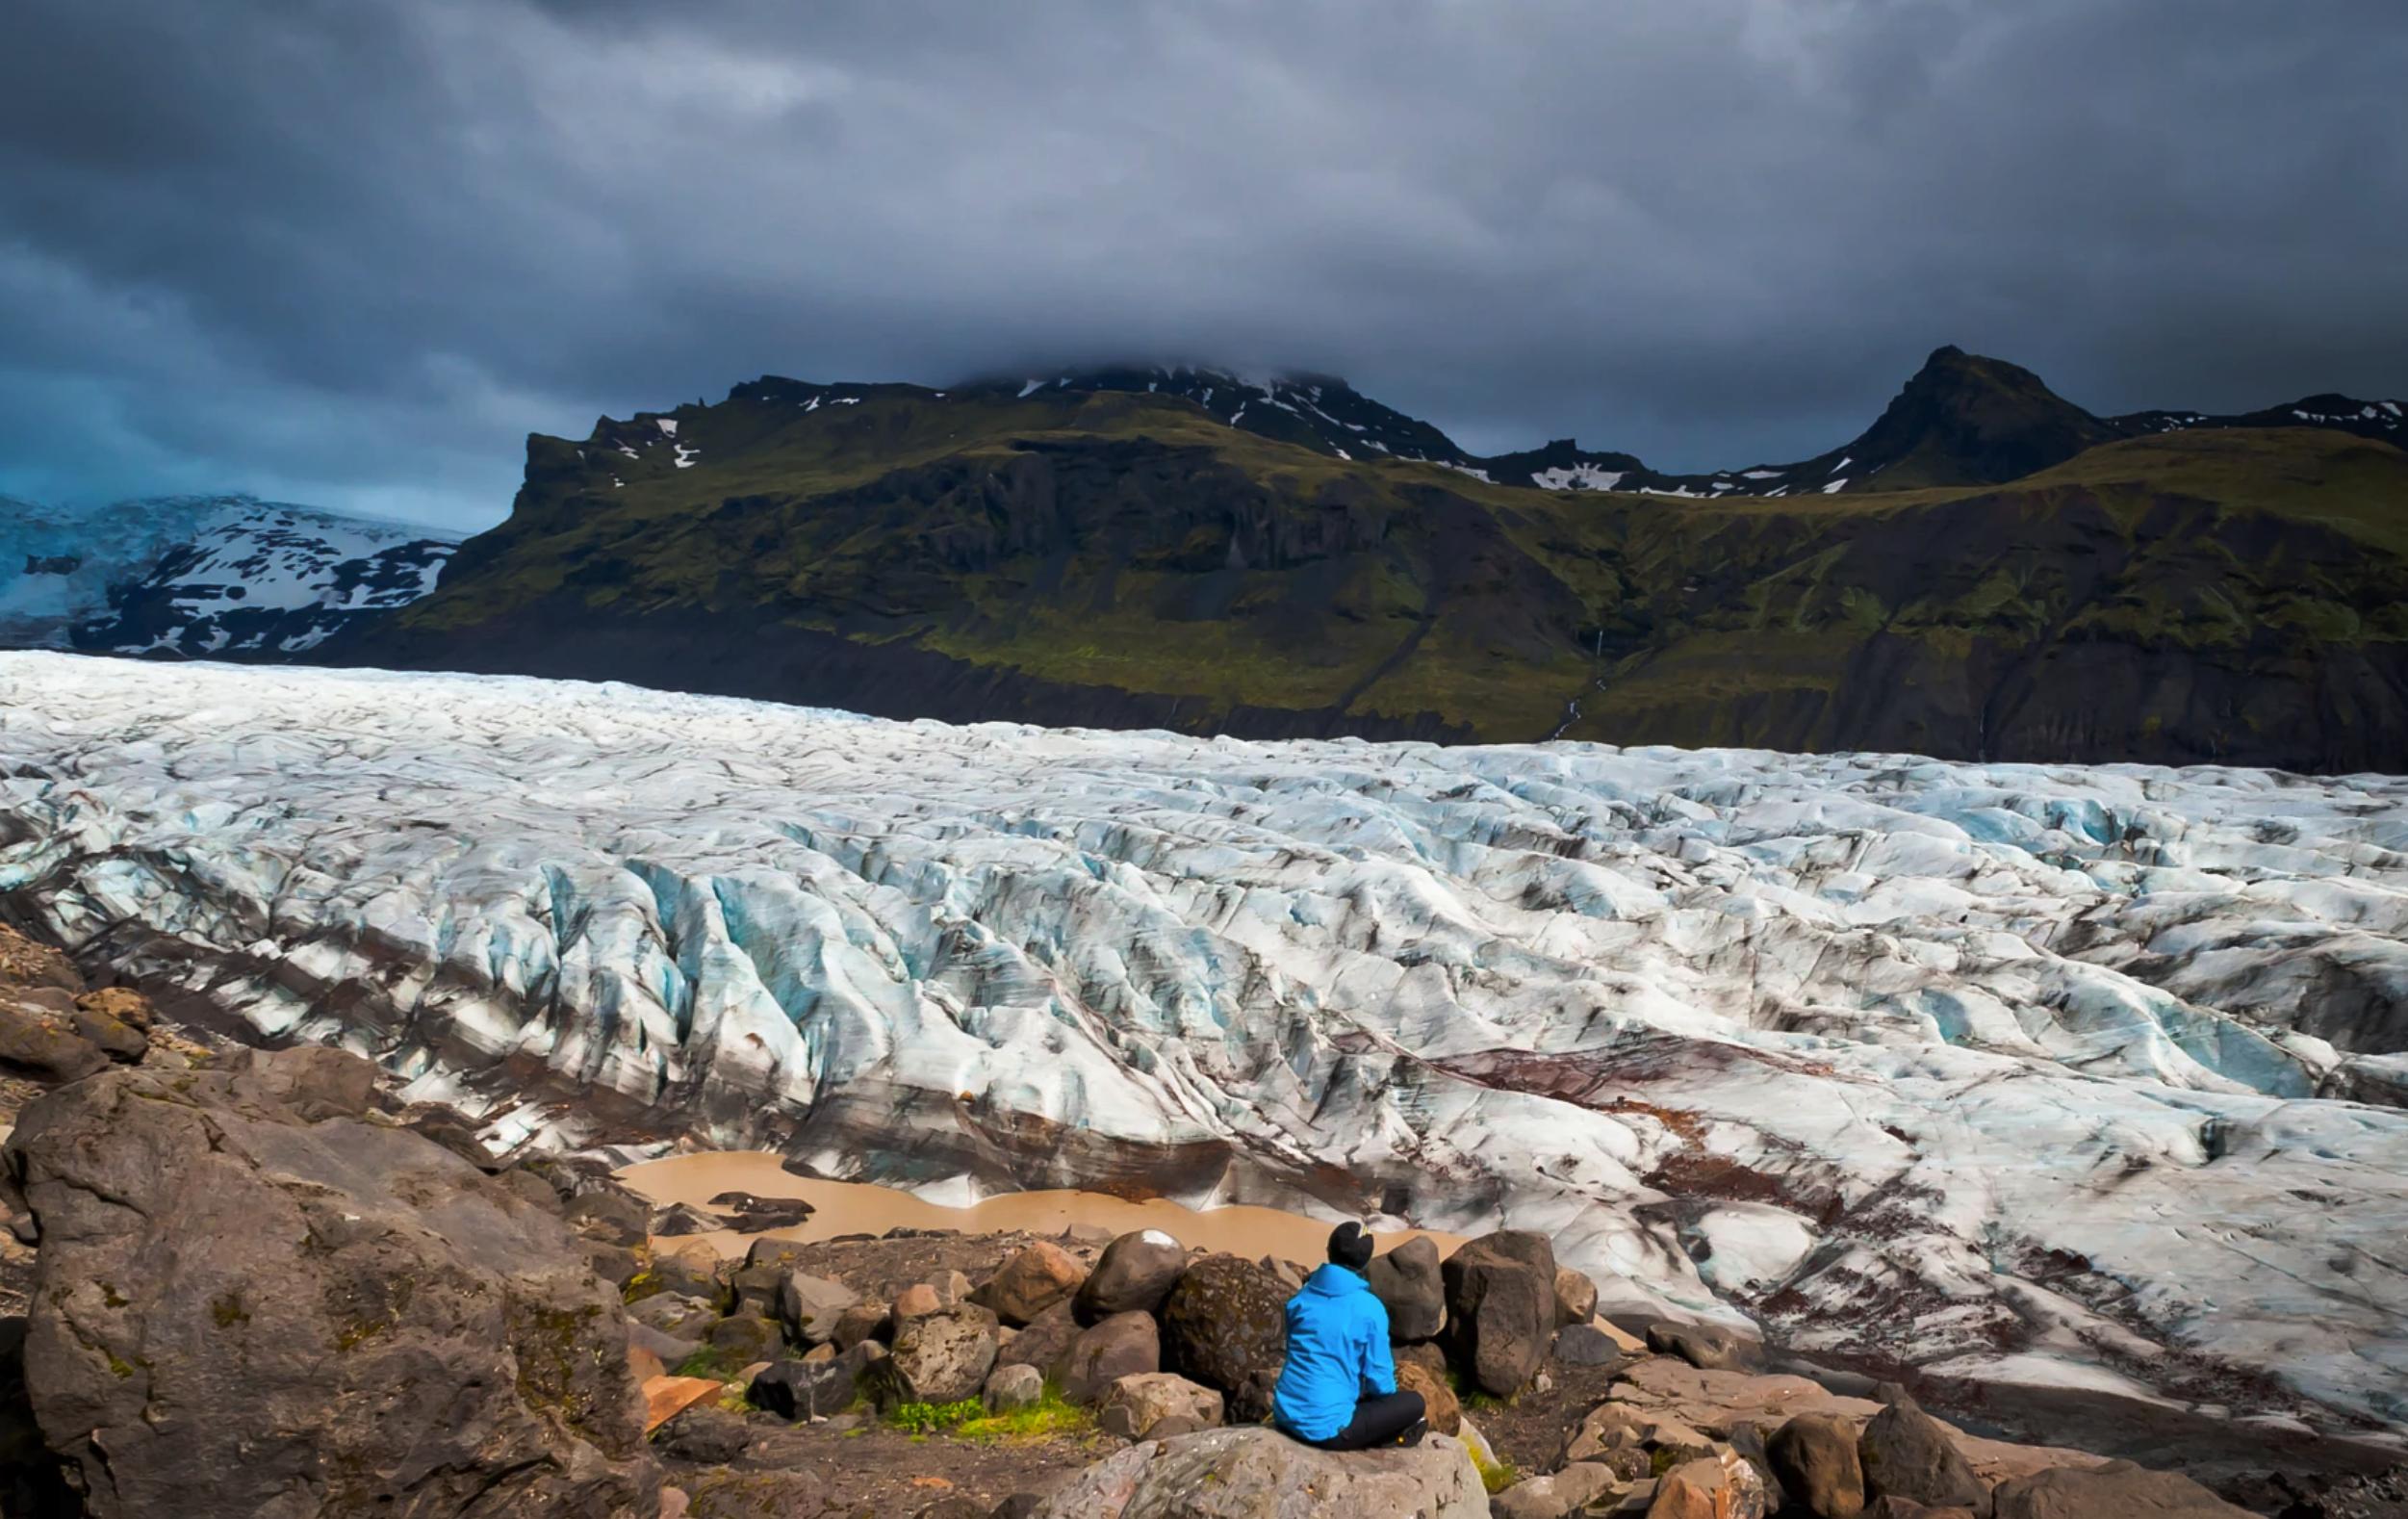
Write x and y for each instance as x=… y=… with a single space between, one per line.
x=261 y=1285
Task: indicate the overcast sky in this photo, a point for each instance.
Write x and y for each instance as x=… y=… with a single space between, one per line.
x=351 y=251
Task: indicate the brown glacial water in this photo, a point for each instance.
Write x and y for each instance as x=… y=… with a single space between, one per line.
x=855 y=1207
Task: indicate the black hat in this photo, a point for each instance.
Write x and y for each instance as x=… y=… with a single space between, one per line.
x=1351 y=1247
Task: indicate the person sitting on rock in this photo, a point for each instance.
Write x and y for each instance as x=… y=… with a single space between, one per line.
x=1338 y=1389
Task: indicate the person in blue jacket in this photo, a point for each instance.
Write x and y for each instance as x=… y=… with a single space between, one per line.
x=1338 y=1390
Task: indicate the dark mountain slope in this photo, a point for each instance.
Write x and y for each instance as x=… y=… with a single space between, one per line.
x=1120 y=558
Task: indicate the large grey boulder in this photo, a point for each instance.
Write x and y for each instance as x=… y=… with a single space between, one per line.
x=1226 y=1325
x=1407 y=1279
x=811 y=1306
x=249 y=1300
x=1258 y=1473
x=1500 y=1308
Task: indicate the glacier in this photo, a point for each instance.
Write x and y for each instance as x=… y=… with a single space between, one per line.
x=2074 y=1079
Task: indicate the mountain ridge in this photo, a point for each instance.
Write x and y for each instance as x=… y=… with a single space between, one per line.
x=1113 y=555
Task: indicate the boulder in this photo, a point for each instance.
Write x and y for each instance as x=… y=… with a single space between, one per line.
x=1586 y=1345
x=794 y=1389
x=811 y=1306
x=1894 y=1506
x=1134 y=1274
x=667 y=1348
x=239 y=1308
x=704 y=1434
x=864 y=1321
x=754 y=1289
x=1226 y=1325
x=1575 y=1297
x=686 y=1318
x=1907 y=1453
x=1045 y=1340
x=953 y=1289
x=752 y=1215
x=1010 y=1387
x=1033 y=1280
x=615 y=1264
x=609 y=1214
x=1617 y=1438
x=1442 y=1407
x=1814 y=1456
x=730 y=1493
x=117 y=1039
x=693 y=1271
x=124 y=1004
x=1720 y=1486
x=1408 y=1280
x=784 y=1254
x=917 y=1300
x=1123 y=1345
x=1500 y=1308
x=1569 y=1491
x=44 y=1045
x=681 y=1219
x=744 y=1338
x=2119 y=1488
x=1256 y=1473
x=1134 y=1406
x=1710 y=1348
x=944 y=1356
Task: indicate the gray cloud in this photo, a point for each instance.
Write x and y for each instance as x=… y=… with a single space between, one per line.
x=351 y=250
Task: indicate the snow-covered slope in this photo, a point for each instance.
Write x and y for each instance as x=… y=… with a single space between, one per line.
x=195 y=575
x=2017 y=1075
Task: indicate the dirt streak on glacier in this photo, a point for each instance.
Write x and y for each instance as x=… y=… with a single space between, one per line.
x=2015 y=1077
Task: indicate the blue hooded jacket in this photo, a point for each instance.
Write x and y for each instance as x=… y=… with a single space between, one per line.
x=1337 y=1354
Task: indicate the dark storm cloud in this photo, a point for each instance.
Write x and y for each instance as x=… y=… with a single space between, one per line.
x=351 y=250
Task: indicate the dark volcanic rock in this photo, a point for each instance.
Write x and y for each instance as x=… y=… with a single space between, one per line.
x=801 y=1389
x=1044 y=1341
x=1500 y=1308
x=1904 y=1451
x=1134 y=1274
x=1225 y=1326
x=1814 y=1456
x=1121 y=1346
x=239 y=1312
x=1407 y=1279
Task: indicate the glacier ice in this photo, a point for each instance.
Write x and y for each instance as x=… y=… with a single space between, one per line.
x=1981 y=1068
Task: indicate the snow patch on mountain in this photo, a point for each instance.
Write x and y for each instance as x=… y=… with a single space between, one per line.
x=202 y=574
x=1984 y=1068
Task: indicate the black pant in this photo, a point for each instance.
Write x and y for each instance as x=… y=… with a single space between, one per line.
x=1376 y=1421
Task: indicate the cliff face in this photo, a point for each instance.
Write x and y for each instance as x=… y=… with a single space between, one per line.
x=1122 y=558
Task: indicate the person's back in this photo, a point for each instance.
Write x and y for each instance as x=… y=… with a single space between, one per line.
x=1337 y=1388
